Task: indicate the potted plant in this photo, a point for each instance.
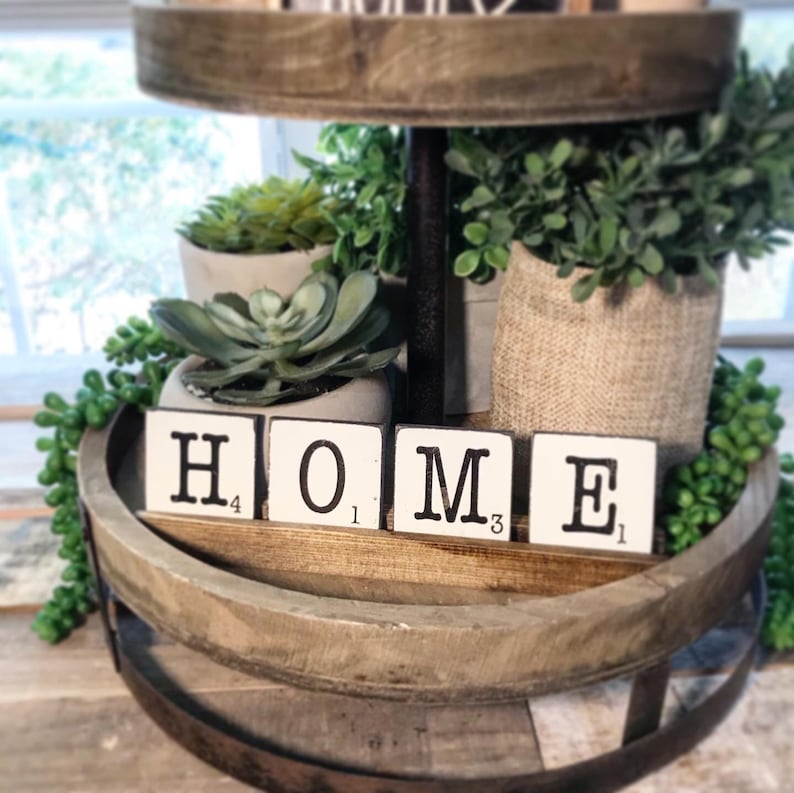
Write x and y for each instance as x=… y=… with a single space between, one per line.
x=268 y=234
x=305 y=357
x=641 y=216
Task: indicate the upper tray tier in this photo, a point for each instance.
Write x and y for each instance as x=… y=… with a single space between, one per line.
x=459 y=70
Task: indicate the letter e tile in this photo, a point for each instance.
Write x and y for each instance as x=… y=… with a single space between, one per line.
x=590 y=491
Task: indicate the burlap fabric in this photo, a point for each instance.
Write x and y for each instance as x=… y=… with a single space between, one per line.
x=627 y=362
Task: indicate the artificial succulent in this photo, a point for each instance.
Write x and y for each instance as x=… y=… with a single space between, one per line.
x=263 y=348
x=271 y=217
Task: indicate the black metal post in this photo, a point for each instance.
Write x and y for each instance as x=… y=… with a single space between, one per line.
x=426 y=216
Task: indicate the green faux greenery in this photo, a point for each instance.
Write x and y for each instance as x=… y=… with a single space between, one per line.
x=94 y=403
x=742 y=423
x=364 y=170
x=779 y=566
x=662 y=199
x=274 y=216
x=264 y=348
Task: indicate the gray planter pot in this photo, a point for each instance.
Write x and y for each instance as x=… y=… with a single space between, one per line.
x=471 y=321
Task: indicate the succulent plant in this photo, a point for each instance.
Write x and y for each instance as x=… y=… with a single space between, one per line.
x=274 y=216
x=265 y=348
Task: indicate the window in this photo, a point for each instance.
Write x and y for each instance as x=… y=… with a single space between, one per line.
x=94 y=178
x=759 y=304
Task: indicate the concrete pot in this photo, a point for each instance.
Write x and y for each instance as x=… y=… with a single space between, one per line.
x=207 y=272
x=470 y=324
x=363 y=399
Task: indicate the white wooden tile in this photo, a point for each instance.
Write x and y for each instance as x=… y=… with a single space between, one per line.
x=453 y=482
x=325 y=472
x=588 y=491
x=201 y=463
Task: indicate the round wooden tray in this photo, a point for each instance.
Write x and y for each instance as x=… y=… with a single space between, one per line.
x=457 y=70
x=293 y=740
x=477 y=651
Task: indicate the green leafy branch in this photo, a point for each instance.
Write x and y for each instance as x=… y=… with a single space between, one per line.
x=637 y=201
x=364 y=171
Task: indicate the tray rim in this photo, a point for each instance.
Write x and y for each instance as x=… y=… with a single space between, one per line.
x=423 y=652
x=366 y=43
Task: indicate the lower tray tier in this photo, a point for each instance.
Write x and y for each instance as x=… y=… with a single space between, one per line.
x=472 y=650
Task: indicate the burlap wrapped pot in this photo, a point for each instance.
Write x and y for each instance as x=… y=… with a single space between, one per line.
x=627 y=362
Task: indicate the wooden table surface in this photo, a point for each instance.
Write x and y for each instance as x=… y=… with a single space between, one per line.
x=67 y=723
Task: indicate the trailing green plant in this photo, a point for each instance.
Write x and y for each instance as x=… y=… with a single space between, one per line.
x=364 y=171
x=94 y=403
x=634 y=201
x=270 y=217
x=779 y=566
x=266 y=349
x=742 y=423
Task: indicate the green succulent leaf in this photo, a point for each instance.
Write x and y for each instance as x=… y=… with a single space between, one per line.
x=355 y=296
x=480 y=197
x=265 y=304
x=497 y=257
x=231 y=323
x=262 y=397
x=457 y=161
x=215 y=378
x=586 y=285
x=561 y=152
x=233 y=301
x=607 y=235
x=555 y=221
x=534 y=164
x=476 y=233
x=187 y=325
x=666 y=223
x=466 y=263
x=650 y=260
x=366 y=363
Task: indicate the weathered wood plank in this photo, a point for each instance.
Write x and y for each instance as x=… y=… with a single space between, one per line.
x=262 y=549
x=434 y=70
x=69 y=724
x=29 y=565
x=646 y=703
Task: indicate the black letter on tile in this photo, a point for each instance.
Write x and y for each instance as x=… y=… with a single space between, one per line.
x=580 y=491
x=471 y=459
x=340 y=476
x=185 y=466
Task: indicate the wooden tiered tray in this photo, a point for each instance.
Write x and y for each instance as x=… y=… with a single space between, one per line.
x=447 y=641
x=477 y=648
x=457 y=70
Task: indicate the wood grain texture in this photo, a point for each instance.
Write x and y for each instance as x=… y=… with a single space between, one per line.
x=69 y=724
x=474 y=652
x=258 y=548
x=459 y=70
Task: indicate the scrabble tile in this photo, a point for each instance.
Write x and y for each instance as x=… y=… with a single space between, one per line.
x=453 y=482
x=325 y=472
x=589 y=491
x=201 y=463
